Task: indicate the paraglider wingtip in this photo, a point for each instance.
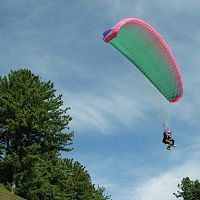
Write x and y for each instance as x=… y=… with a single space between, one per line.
x=176 y=100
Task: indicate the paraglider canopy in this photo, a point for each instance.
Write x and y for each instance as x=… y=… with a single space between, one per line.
x=146 y=49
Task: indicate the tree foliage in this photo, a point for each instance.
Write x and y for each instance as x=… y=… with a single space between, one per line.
x=189 y=190
x=55 y=178
x=30 y=112
x=34 y=128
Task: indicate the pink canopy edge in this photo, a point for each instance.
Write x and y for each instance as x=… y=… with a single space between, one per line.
x=119 y=25
x=176 y=100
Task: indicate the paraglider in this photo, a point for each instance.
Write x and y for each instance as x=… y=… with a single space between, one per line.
x=168 y=140
x=146 y=49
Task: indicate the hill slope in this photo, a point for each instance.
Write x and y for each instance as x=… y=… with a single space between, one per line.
x=7 y=195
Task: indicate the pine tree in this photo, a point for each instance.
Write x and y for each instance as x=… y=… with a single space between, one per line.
x=55 y=179
x=30 y=113
x=33 y=130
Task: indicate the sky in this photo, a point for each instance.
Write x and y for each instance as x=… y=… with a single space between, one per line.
x=116 y=113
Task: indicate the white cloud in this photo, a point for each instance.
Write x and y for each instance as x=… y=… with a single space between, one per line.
x=93 y=111
x=148 y=187
x=163 y=186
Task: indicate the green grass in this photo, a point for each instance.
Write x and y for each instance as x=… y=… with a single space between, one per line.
x=7 y=195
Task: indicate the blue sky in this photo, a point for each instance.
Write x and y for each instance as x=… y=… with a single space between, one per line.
x=117 y=131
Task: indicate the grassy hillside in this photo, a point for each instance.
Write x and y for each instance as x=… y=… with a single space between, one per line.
x=6 y=195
